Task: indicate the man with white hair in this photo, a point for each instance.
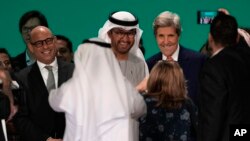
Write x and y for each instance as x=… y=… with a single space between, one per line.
x=122 y=31
x=167 y=30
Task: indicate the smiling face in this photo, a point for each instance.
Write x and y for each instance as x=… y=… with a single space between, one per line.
x=43 y=44
x=122 y=40
x=63 y=51
x=5 y=61
x=167 y=40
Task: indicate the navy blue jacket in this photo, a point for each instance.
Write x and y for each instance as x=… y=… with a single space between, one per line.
x=191 y=62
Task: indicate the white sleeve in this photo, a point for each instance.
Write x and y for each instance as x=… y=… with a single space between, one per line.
x=137 y=103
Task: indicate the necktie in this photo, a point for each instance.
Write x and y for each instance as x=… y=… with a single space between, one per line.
x=51 y=79
x=169 y=58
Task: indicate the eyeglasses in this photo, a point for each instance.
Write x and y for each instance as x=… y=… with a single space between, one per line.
x=121 y=33
x=39 y=43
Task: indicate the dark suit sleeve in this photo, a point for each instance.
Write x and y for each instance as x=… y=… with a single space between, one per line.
x=193 y=110
x=212 y=103
x=36 y=120
x=153 y=60
x=4 y=112
x=23 y=121
x=4 y=106
x=27 y=129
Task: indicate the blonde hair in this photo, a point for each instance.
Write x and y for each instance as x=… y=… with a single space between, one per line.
x=167 y=84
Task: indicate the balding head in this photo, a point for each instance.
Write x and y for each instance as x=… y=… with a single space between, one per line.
x=42 y=44
x=39 y=31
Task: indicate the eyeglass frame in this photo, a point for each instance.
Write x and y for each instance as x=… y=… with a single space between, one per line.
x=47 y=41
x=121 y=33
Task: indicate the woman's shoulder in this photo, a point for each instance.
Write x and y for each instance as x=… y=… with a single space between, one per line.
x=189 y=103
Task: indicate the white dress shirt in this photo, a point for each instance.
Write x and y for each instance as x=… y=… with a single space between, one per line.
x=45 y=72
x=174 y=55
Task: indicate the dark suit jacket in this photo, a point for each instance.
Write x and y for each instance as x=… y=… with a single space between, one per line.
x=36 y=121
x=4 y=112
x=1 y=133
x=224 y=97
x=19 y=62
x=191 y=62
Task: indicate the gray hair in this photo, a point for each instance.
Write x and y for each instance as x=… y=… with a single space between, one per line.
x=167 y=19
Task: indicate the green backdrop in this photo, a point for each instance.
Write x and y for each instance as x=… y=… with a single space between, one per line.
x=81 y=19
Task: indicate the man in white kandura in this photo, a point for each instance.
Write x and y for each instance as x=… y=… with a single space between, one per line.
x=100 y=104
x=122 y=31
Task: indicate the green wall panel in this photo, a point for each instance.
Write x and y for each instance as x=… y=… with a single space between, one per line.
x=81 y=19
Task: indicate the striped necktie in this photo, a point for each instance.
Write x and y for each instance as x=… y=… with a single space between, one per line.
x=169 y=58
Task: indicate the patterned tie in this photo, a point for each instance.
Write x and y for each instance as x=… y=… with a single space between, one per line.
x=51 y=79
x=169 y=58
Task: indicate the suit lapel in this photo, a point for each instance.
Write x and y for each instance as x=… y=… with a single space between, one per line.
x=62 y=72
x=35 y=76
x=182 y=57
x=37 y=88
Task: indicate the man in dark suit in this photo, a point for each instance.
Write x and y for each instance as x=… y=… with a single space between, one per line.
x=167 y=30
x=27 y=22
x=36 y=121
x=224 y=80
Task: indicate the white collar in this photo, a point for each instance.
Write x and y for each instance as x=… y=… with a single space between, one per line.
x=216 y=52
x=53 y=64
x=174 y=55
